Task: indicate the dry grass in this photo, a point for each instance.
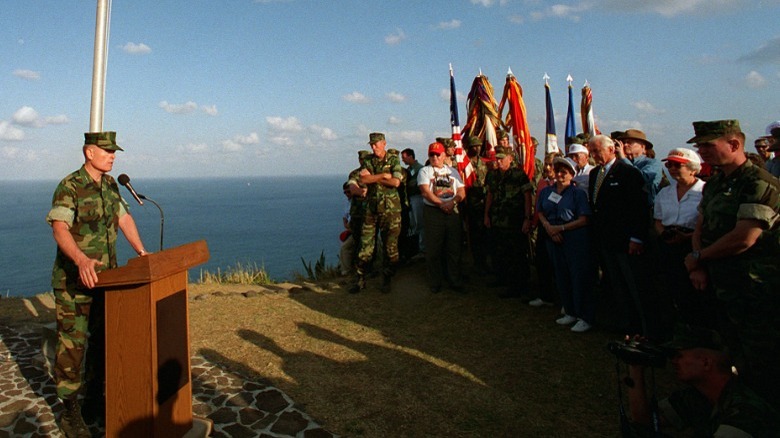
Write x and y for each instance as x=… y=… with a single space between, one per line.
x=415 y=364
x=409 y=363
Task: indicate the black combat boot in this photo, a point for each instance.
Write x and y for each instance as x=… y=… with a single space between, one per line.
x=71 y=423
x=358 y=285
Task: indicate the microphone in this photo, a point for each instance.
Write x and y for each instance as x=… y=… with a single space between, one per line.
x=125 y=181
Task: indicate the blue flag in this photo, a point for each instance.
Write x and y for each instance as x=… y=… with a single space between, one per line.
x=571 y=122
x=551 y=141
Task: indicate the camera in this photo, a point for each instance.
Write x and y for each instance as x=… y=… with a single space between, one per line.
x=640 y=352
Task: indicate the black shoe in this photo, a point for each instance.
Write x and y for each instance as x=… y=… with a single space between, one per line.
x=358 y=285
x=71 y=423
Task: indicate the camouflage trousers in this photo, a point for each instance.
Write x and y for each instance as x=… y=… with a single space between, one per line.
x=80 y=336
x=388 y=225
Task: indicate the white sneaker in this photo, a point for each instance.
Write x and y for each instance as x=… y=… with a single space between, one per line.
x=539 y=303
x=580 y=327
x=566 y=320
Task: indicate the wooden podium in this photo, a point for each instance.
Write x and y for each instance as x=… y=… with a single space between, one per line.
x=148 y=387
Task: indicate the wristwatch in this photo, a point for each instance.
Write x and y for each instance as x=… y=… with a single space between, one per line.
x=696 y=255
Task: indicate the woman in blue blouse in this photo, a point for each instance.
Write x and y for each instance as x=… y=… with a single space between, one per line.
x=563 y=211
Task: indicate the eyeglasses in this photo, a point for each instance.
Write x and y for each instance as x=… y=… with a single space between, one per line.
x=432 y=154
x=673 y=165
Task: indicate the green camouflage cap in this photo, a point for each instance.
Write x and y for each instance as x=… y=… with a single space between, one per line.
x=502 y=152
x=708 y=131
x=690 y=336
x=501 y=134
x=104 y=140
x=375 y=137
x=474 y=141
x=449 y=143
x=362 y=155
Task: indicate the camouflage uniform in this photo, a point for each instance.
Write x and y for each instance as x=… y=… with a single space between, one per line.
x=475 y=214
x=507 y=214
x=383 y=212
x=92 y=212
x=747 y=285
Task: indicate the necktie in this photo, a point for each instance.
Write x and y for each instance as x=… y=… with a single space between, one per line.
x=599 y=180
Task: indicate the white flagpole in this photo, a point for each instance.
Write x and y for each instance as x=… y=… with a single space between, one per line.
x=99 y=63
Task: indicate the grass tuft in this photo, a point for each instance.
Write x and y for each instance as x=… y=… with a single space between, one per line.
x=238 y=274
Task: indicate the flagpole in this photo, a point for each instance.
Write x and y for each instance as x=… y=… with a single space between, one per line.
x=99 y=63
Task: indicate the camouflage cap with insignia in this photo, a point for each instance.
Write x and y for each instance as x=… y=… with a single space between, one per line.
x=501 y=134
x=708 y=131
x=375 y=137
x=104 y=140
x=502 y=152
x=474 y=141
x=449 y=143
x=689 y=336
x=362 y=155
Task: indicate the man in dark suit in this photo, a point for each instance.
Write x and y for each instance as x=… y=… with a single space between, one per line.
x=621 y=222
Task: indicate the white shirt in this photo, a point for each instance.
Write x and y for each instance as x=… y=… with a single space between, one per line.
x=443 y=182
x=682 y=213
x=582 y=176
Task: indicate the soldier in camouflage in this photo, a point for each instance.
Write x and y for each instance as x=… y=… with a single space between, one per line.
x=87 y=212
x=475 y=207
x=508 y=217
x=715 y=403
x=357 y=205
x=382 y=174
x=735 y=248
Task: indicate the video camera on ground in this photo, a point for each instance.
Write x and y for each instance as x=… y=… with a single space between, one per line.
x=640 y=352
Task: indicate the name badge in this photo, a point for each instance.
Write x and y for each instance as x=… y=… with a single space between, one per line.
x=555 y=198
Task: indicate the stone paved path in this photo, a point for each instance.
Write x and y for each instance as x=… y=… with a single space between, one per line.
x=239 y=407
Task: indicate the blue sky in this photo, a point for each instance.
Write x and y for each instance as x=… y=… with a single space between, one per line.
x=225 y=88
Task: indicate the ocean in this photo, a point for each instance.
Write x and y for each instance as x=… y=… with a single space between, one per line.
x=272 y=222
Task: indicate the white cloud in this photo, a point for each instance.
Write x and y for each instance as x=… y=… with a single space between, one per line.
x=562 y=11
x=232 y=146
x=192 y=148
x=136 y=49
x=9 y=132
x=286 y=124
x=323 y=132
x=18 y=154
x=282 y=140
x=210 y=110
x=26 y=116
x=670 y=8
x=393 y=120
x=754 y=79
x=516 y=19
x=356 y=97
x=395 y=38
x=179 y=108
x=29 y=75
x=62 y=119
x=485 y=3
x=396 y=97
x=647 y=107
x=407 y=137
x=767 y=53
x=447 y=25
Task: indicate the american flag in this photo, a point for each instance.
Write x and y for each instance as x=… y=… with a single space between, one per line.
x=464 y=164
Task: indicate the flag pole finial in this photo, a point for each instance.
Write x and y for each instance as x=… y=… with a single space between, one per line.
x=569 y=79
x=546 y=78
x=586 y=84
x=509 y=71
x=480 y=71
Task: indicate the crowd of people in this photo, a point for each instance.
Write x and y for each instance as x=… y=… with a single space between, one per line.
x=614 y=240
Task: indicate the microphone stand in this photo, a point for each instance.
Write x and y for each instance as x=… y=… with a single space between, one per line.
x=162 y=217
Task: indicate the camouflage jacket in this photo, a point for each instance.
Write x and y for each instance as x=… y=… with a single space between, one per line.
x=92 y=212
x=381 y=198
x=738 y=409
x=507 y=189
x=358 y=205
